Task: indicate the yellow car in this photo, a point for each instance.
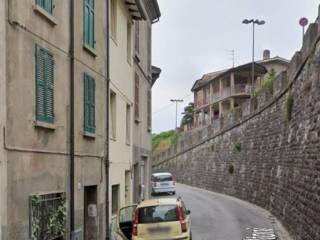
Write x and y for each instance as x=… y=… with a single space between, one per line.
x=155 y=219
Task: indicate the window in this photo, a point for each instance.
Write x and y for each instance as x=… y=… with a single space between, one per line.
x=137 y=41
x=158 y=214
x=129 y=41
x=46 y=5
x=113 y=118
x=113 y=8
x=89 y=104
x=136 y=97
x=44 y=74
x=149 y=47
x=128 y=124
x=149 y=109
x=115 y=199
x=47 y=214
x=89 y=23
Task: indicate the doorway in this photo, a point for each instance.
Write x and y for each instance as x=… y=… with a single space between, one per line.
x=90 y=213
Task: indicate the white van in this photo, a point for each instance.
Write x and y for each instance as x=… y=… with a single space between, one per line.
x=163 y=183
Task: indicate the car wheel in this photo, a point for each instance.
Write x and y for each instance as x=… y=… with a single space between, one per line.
x=174 y=193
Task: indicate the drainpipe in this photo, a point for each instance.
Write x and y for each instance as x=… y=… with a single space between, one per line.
x=71 y=133
x=107 y=99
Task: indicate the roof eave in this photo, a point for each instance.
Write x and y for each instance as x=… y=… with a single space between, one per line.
x=135 y=9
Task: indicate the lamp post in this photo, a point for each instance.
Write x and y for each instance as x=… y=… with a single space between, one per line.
x=253 y=22
x=176 y=101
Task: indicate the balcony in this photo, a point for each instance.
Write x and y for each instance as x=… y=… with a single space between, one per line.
x=241 y=89
x=201 y=103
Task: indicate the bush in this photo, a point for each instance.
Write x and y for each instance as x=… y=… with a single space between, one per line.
x=231 y=169
x=237 y=147
x=163 y=141
x=289 y=106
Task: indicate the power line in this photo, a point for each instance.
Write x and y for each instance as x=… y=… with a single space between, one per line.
x=170 y=105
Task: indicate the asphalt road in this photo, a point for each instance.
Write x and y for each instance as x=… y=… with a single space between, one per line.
x=219 y=217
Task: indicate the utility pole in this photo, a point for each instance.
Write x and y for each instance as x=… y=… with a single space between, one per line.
x=176 y=101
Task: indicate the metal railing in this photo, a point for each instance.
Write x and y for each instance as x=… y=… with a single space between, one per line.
x=47 y=215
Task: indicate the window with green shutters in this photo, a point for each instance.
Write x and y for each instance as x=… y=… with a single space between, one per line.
x=89 y=104
x=46 y=5
x=44 y=74
x=89 y=23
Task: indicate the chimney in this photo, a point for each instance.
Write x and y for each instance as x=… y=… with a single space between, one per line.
x=266 y=54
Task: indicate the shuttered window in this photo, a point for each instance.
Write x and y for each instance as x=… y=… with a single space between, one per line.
x=46 y=5
x=89 y=23
x=136 y=97
x=137 y=37
x=149 y=109
x=89 y=104
x=44 y=85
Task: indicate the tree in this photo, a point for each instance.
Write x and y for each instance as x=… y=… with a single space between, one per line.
x=187 y=115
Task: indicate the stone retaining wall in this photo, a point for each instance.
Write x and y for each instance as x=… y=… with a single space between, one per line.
x=267 y=152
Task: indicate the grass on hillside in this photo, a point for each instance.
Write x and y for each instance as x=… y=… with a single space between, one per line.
x=163 y=141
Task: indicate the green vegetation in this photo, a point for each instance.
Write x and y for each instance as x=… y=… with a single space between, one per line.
x=187 y=115
x=237 y=147
x=307 y=86
x=266 y=83
x=231 y=169
x=289 y=105
x=163 y=141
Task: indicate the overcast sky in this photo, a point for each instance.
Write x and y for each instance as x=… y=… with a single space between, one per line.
x=195 y=37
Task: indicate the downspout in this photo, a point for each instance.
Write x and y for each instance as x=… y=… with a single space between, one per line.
x=71 y=140
x=107 y=99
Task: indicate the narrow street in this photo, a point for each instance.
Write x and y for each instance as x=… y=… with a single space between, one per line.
x=218 y=217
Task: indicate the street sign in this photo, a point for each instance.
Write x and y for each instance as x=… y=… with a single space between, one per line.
x=303 y=22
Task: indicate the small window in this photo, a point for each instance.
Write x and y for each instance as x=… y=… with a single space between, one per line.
x=137 y=37
x=113 y=118
x=44 y=74
x=46 y=5
x=113 y=13
x=136 y=97
x=89 y=104
x=149 y=110
x=89 y=38
x=115 y=199
x=128 y=124
x=47 y=216
x=129 y=42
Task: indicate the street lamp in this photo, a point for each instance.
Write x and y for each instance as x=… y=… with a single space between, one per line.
x=254 y=22
x=176 y=101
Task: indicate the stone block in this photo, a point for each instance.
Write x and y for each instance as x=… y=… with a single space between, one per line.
x=309 y=39
x=294 y=65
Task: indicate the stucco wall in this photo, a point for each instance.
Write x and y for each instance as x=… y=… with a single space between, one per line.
x=141 y=130
x=3 y=159
x=268 y=157
x=37 y=156
x=121 y=76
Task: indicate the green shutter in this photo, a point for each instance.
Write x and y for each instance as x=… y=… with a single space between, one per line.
x=44 y=85
x=89 y=104
x=46 y=5
x=89 y=23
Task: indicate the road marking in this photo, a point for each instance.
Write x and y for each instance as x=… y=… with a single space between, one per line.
x=262 y=234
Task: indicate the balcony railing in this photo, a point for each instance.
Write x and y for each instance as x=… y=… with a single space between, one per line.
x=242 y=89
x=226 y=92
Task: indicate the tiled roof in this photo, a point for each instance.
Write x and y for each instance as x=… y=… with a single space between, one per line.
x=215 y=75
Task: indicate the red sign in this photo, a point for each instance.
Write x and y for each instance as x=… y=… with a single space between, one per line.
x=303 y=22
